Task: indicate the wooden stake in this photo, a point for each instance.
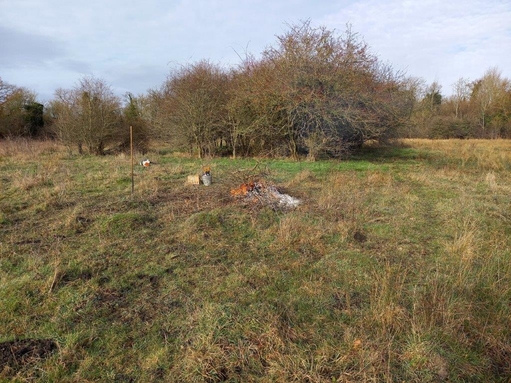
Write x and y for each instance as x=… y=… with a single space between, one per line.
x=131 y=149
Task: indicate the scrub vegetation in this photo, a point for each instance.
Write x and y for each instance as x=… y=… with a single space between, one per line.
x=314 y=93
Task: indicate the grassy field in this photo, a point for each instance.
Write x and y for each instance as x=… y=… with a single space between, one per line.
x=395 y=267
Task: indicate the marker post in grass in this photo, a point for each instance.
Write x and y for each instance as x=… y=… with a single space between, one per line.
x=131 y=150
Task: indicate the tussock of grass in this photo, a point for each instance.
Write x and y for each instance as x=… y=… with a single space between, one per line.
x=395 y=267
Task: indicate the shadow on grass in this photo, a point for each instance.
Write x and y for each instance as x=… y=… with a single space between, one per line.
x=388 y=153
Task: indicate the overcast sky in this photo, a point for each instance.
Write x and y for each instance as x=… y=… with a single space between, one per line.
x=133 y=45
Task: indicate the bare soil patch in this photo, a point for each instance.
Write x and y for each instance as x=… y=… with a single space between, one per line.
x=16 y=354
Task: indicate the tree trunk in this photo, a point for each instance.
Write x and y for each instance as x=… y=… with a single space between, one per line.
x=100 y=150
x=294 y=148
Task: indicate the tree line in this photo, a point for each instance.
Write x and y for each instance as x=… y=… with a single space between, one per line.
x=315 y=94
x=477 y=109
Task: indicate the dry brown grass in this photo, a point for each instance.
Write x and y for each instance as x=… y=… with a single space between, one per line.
x=482 y=154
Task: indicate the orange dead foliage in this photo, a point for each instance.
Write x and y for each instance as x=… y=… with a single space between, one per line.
x=243 y=190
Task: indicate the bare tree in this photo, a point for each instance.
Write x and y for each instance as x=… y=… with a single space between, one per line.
x=481 y=109
x=132 y=117
x=256 y=110
x=88 y=115
x=193 y=101
x=433 y=97
x=335 y=93
x=6 y=90
x=489 y=94
x=460 y=96
x=413 y=89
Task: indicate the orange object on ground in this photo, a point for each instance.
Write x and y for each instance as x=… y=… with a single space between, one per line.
x=243 y=190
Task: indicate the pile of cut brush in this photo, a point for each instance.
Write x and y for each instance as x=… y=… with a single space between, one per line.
x=264 y=194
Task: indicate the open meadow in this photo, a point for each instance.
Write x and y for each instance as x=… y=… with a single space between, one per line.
x=394 y=267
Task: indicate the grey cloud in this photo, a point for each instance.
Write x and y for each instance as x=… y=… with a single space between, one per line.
x=22 y=49
x=137 y=79
x=75 y=66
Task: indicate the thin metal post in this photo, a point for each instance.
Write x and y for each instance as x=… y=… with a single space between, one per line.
x=131 y=149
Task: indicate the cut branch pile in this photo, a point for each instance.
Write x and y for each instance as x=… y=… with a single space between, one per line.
x=266 y=195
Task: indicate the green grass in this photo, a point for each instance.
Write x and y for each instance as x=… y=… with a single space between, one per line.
x=395 y=267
